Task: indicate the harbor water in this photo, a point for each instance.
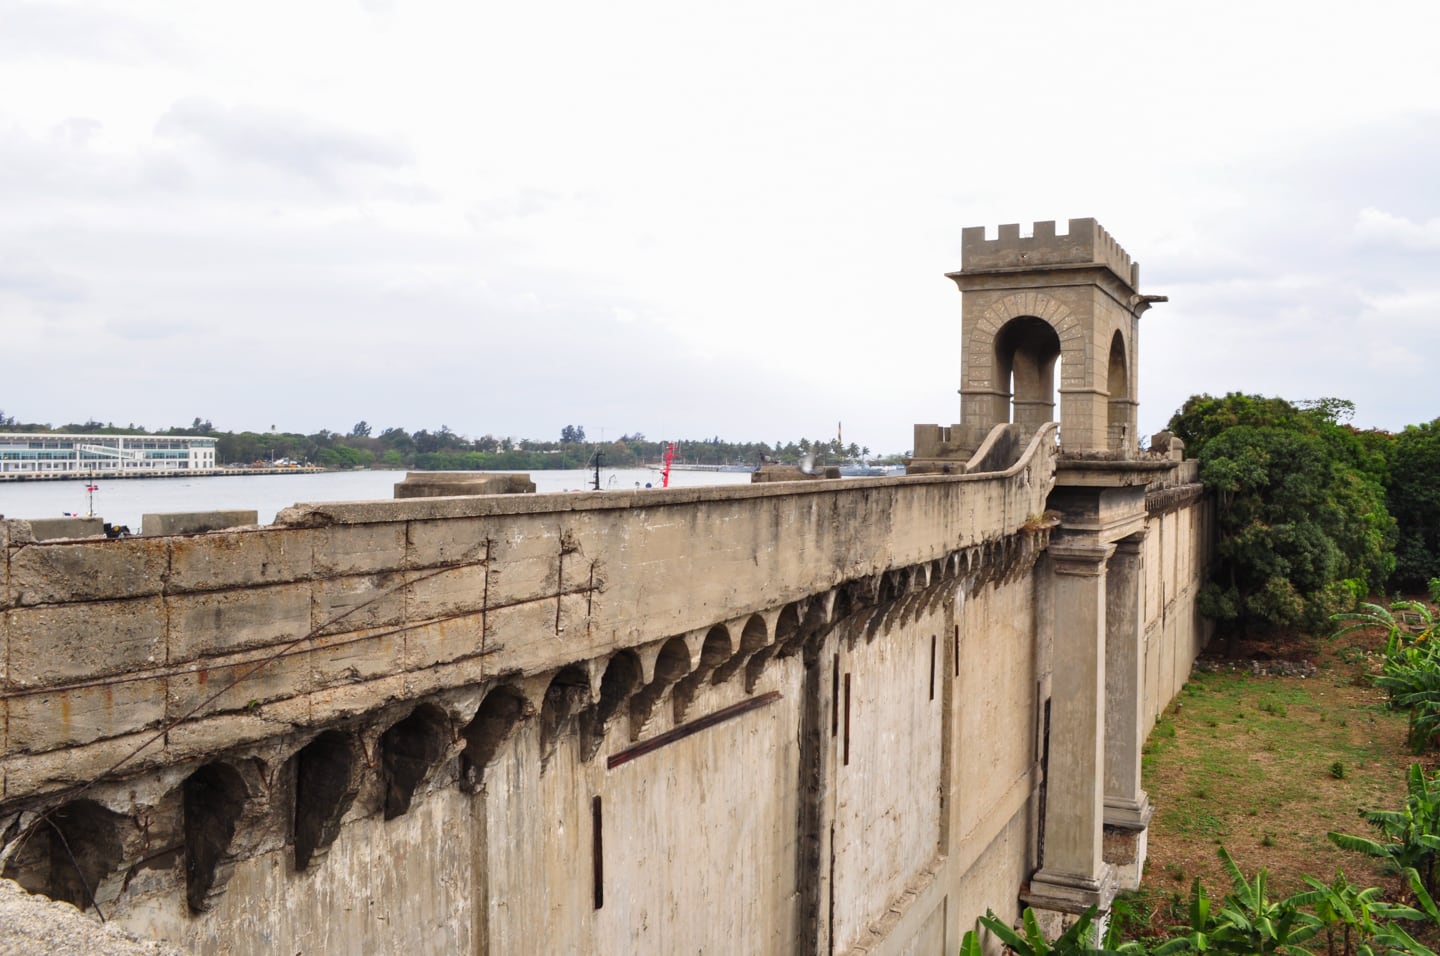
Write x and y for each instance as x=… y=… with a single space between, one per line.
x=122 y=502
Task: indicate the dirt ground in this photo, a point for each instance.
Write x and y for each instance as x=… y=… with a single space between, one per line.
x=1266 y=766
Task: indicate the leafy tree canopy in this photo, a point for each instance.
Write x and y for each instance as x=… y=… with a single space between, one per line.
x=1413 y=497
x=1303 y=528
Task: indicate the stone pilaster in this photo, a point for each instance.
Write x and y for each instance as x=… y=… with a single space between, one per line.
x=1073 y=874
x=1127 y=806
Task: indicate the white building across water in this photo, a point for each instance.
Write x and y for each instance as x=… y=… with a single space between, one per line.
x=51 y=455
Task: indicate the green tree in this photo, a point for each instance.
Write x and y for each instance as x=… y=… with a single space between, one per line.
x=1413 y=497
x=1205 y=417
x=1303 y=528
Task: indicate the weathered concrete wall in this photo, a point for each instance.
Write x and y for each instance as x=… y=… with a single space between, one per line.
x=774 y=718
x=1177 y=555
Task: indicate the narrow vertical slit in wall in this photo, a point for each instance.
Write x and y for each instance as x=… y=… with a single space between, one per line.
x=830 y=920
x=957 y=650
x=1044 y=784
x=847 y=720
x=835 y=699
x=933 y=641
x=810 y=842
x=598 y=851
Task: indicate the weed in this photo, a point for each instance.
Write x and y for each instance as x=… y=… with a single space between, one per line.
x=1337 y=770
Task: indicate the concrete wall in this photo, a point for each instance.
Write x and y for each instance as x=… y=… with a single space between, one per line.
x=1177 y=555
x=784 y=717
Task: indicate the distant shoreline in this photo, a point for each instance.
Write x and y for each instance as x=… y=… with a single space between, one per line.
x=208 y=473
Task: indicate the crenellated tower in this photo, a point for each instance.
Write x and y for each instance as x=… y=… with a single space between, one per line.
x=1043 y=315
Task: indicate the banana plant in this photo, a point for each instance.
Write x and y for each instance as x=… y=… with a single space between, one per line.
x=1414 y=625
x=1249 y=922
x=1030 y=941
x=1412 y=834
x=1347 y=914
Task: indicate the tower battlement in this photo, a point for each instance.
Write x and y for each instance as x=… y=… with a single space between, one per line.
x=1085 y=243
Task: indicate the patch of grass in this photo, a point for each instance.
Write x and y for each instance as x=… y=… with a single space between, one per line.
x=1268 y=765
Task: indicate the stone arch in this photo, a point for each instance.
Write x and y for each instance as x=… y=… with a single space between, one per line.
x=1120 y=407
x=409 y=750
x=755 y=635
x=498 y=716
x=326 y=781
x=1009 y=345
x=623 y=674
x=212 y=802
x=787 y=627
x=1040 y=306
x=567 y=695
x=672 y=664
x=787 y=623
x=69 y=852
x=713 y=653
x=1027 y=349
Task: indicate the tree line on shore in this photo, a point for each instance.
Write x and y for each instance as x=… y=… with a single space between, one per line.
x=446 y=450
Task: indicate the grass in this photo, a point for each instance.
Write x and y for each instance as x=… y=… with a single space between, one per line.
x=1266 y=766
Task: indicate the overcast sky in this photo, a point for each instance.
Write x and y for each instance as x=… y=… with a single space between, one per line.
x=693 y=219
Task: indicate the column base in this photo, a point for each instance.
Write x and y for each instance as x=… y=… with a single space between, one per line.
x=1125 y=851
x=1068 y=893
x=1127 y=839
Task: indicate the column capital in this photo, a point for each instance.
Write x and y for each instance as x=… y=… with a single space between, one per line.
x=1085 y=558
x=1132 y=544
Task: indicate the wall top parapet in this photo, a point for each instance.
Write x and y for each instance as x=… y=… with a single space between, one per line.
x=309 y=515
x=1085 y=243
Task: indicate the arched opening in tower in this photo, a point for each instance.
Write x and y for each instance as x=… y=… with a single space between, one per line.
x=1027 y=362
x=1120 y=410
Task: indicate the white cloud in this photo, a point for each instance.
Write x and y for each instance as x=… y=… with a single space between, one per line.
x=1374 y=227
x=731 y=219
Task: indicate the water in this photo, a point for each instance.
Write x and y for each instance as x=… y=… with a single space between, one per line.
x=123 y=501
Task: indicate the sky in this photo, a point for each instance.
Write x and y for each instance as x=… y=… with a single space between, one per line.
x=693 y=219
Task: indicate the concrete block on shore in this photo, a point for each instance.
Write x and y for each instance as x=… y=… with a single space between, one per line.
x=424 y=484
x=51 y=529
x=195 y=522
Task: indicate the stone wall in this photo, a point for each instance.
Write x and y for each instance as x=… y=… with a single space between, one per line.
x=783 y=717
